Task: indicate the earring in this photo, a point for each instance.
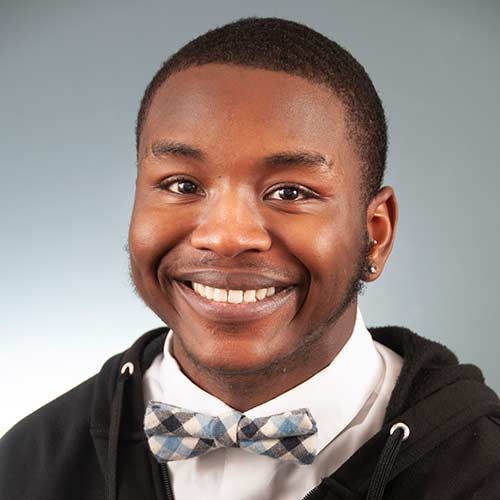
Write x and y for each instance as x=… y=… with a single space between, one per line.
x=372 y=267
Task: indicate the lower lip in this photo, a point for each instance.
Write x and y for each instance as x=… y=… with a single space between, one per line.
x=231 y=313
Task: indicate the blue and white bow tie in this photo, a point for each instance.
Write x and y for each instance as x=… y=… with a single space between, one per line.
x=176 y=433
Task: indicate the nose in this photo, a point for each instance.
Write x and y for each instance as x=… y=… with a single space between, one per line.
x=230 y=226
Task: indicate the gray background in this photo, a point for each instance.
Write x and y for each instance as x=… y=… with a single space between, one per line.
x=72 y=74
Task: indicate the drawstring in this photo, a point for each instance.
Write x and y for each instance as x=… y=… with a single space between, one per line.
x=114 y=430
x=399 y=432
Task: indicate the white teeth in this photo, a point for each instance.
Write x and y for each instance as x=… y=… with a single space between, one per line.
x=233 y=296
x=249 y=296
x=220 y=295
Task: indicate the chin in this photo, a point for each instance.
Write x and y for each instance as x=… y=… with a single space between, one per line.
x=236 y=355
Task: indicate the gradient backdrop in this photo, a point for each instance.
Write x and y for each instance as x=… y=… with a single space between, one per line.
x=71 y=76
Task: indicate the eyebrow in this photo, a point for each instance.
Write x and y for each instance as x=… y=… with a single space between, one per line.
x=165 y=148
x=308 y=158
x=284 y=158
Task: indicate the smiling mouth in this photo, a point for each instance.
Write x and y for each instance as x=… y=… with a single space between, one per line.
x=224 y=305
x=233 y=296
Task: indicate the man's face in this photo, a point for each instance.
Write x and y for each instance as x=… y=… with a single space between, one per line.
x=248 y=192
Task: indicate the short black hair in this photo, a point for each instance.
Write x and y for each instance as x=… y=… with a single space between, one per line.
x=282 y=45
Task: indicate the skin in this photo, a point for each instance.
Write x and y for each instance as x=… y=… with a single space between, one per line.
x=227 y=220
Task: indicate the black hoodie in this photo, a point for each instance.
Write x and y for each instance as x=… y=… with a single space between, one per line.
x=89 y=443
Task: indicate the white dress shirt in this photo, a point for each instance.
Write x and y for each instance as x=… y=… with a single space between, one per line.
x=348 y=399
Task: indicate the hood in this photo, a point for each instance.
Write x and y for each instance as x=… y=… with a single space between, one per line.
x=428 y=366
x=434 y=397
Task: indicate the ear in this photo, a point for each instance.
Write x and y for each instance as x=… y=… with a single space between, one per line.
x=381 y=221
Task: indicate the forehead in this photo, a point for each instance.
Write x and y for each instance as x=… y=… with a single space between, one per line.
x=239 y=108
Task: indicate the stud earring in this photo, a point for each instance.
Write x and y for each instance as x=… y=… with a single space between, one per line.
x=372 y=268
x=373 y=243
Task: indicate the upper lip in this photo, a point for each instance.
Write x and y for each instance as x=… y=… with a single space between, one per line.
x=233 y=280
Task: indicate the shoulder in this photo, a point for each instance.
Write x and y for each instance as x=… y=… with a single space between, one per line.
x=68 y=413
x=54 y=446
x=466 y=465
x=42 y=435
x=53 y=416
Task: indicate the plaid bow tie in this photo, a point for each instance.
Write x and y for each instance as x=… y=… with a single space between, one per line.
x=176 y=433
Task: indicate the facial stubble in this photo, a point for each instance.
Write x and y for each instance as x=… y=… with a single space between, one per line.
x=310 y=338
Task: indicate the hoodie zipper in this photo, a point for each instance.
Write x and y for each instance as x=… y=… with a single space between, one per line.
x=311 y=494
x=166 y=482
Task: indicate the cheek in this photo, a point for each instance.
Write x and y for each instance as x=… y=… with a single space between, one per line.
x=153 y=232
x=327 y=247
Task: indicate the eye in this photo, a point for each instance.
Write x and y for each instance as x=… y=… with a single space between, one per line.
x=290 y=192
x=179 y=185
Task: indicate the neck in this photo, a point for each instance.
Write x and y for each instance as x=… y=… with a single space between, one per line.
x=247 y=389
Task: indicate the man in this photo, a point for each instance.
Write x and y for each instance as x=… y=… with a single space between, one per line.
x=259 y=213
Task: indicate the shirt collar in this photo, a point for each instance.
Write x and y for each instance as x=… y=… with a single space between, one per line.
x=334 y=395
